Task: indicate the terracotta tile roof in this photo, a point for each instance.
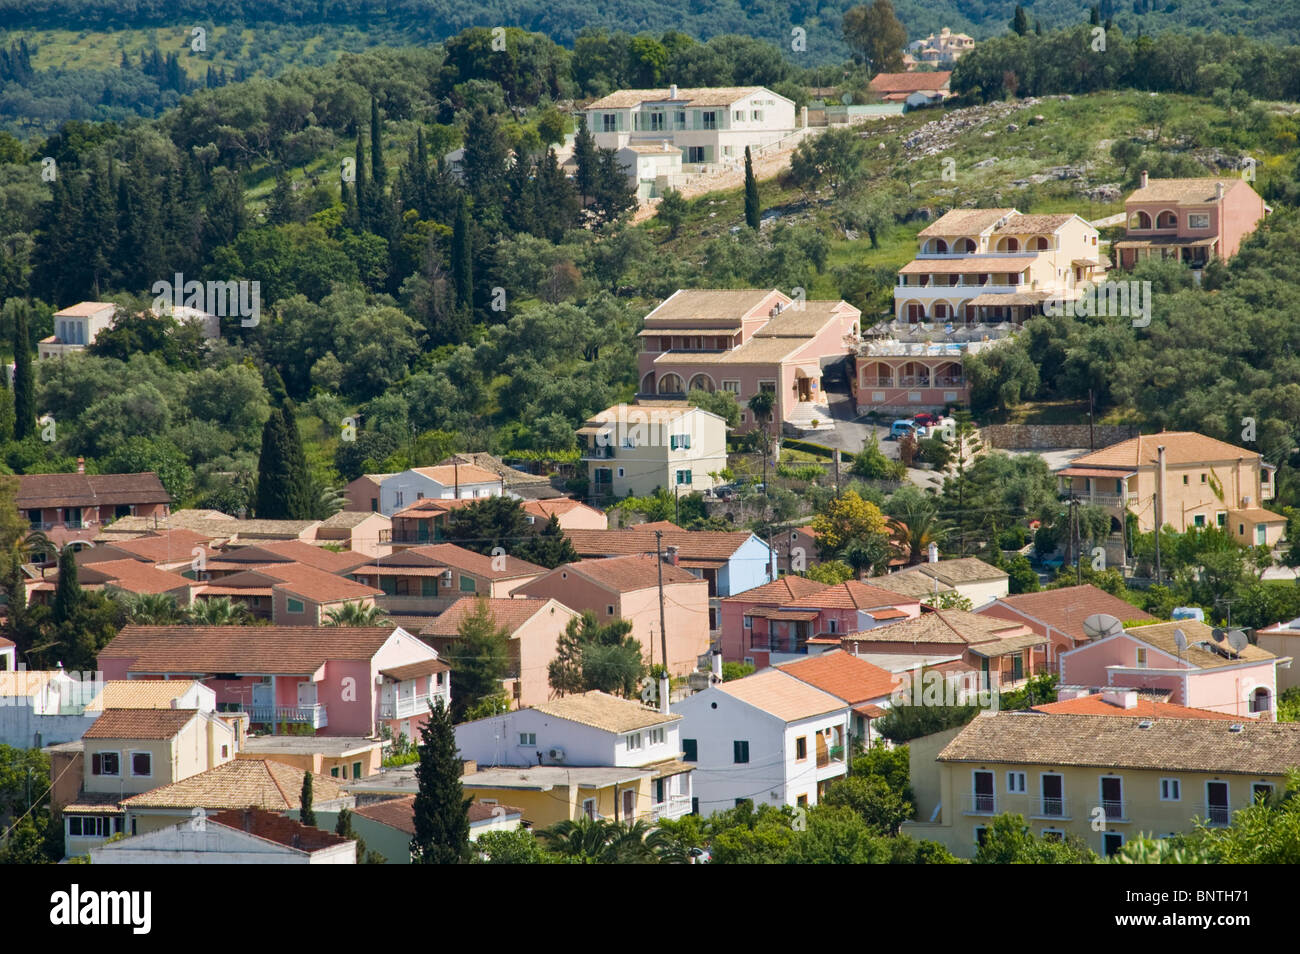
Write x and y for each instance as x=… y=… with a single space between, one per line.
x=1199 y=635
x=955 y=572
x=317 y=585
x=130 y=575
x=916 y=585
x=250 y=649
x=164 y=546
x=1065 y=609
x=398 y=813
x=141 y=693
x=686 y=96
x=844 y=675
x=1184 y=191
x=1181 y=447
x=449 y=475
x=102 y=803
x=459 y=558
x=557 y=506
x=712 y=545
x=509 y=613
x=1173 y=745
x=426 y=667
x=1021 y=224
x=347 y=519
x=964 y=222
x=754 y=351
x=277 y=828
x=84 y=309
x=1256 y=515
x=635 y=414
x=852 y=594
x=782 y=695
x=431 y=506
x=778 y=592
x=1145 y=709
x=951 y=626
x=726 y=306
x=298 y=551
x=603 y=711
x=89 y=490
x=807 y=321
x=910 y=82
x=242 y=783
x=626 y=573
x=140 y=723
x=968 y=265
x=213 y=524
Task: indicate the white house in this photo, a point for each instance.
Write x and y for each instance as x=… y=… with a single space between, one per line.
x=708 y=125
x=769 y=738
x=443 y=482
x=652 y=166
x=44 y=707
x=241 y=836
x=590 y=729
x=76 y=327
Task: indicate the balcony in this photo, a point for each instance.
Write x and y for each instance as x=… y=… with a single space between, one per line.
x=605 y=452
x=405 y=535
x=409 y=706
x=829 y=756
x=1108 y=500
x=979 y=804
x=313 y=716
x=1051 y=807
x=1113 y=810
x=414 y=605
x=1218 y=815
x=675 y=807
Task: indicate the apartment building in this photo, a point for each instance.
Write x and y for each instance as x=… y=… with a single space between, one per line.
x=978 y=275
x=640 y=448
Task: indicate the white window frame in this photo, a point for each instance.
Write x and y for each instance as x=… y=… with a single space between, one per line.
x=1013 y=778
x=1192 y=218
x=116 y=754
x=1171 y=790
x=632 y=741
x=657 y=736
x=528 y=738
x=131 y=758
x=732 y=387
x=589 y=808
x=1140 y=660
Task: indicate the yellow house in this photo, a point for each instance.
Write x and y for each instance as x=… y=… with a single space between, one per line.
x=547 y=794
x=1104 y=778
x=1180 y=479
x=131 y=751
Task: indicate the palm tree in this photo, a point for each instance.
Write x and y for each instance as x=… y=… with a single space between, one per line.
x=862 y=555
x=601 y=841
x=331 y=500
x=37 y=544
x=914 y=524
x=150 y=609
x=355 y=613
x=218 y=611
x=583 y=839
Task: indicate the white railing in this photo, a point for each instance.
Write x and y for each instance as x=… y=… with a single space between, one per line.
x=409 y=706
x=314 y=715
x=675 y=807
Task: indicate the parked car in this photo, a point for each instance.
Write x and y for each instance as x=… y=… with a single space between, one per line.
x=926 y=419
x=904 y=426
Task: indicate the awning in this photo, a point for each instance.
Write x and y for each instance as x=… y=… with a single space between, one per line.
x=425 y=667
x=682 y=332
x=763 y=612
x=398 y=570
x=1011 y=298
x=1012 y=644
x=1166 y=242
x=869 y=711
x=995 y=265
x=1094 y=472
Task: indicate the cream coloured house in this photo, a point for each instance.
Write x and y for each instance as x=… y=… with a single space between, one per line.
x=638 y=448
x=709 y=126
x=76 y=327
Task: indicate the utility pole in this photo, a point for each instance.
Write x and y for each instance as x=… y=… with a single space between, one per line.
x=1159 y=502
x=663 y=633
x=1092 y=445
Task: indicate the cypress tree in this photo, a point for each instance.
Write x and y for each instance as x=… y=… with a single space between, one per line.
x=67 y=595
x=441 y=808
x=1020 y=21
x=359 y=186
x=305 y=813
x=302 y=503
x=274 y=493
x=585 y=155
x=462 y=271
x=24 y=379
x=378 y=171
x=752 y=208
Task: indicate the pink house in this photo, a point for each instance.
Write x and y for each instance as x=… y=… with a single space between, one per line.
x=745 y=341
x=337 y=680
x=813 y=621
x=1192 y=220
x=1207 y=674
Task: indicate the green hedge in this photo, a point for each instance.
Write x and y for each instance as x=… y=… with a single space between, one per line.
x=820 y=450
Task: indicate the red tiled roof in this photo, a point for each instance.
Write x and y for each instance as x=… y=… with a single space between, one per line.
x=308 y=554
x=778 y=592
x=909 y=82
x=89 y=490
x=842 y=674
x=140 y=723
x=509 y=613
x=708 y=545
x=627 y=573
x=1066 y=609
x=459 y=558
x=399 y=813
x=249 y=649
x=165 y=546
x=277 y=828
x=852 y=594
x=1145 y=708
x=131 y=575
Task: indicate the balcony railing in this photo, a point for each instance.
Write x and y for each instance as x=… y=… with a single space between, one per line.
x=1050 y=807
x=1218 y=814
x=407 y=707
x=1113 y=810
x=979 y=804
x=313 y=716
x=675 y=807
x=397 y=535
x=605 y=452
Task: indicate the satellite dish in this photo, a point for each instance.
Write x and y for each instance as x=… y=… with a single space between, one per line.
x=1180 y=640
x=1218 y=634
x=1238 y=641
x=1101 y=625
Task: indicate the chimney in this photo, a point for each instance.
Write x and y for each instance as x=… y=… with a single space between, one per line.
x=1144 y=179
x=670 y=556
x=1123 y=698
x=715 y=665
x=672 y=91
x=665 y=686
x=1218 y=192
x=932 y=553
x=81 y=465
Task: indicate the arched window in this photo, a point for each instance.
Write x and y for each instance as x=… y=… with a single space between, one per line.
x=1139 y=220
x=1167 y=220
x=1040 y=244
x=940 y=246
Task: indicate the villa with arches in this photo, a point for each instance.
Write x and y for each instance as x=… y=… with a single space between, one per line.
x=1191 y=220
x=979 y=274
x=746 y=341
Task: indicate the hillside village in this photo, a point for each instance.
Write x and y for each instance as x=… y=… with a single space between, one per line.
x=772 y=517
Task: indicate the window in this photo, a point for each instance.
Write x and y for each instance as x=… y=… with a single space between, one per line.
x=1221 y=519
x=1141 y=659
x=467 y=584
x=656 y=122
x=620 y=472
x=105 y=763
x=1261 y=791
x=1171 y=790
x=690 y=750
x=527 y=738
x=1111 y=843
x=1052 y=787
x=1198 y=220
x=756 y=115
x=738 y=115
x=981 y=833
x=1202 y=478
x=295 y=606
x=609 y=123
x=225 y=751
x=802 y=801
x=680 y=119
x=633 y=741
x=709 y=119
x=749 y=622
x=833 y=626
x=356 y=770
x=141 y=764
x=335 y=771
x=982 y=792
x=683 y=477
x=589 y=808
x=1199 y=520
x=731 y=386
x=801 y=748
x=740 y=752
x=657 y=736
x=1184 y=480
x=609 y=609
x=695 y=154
x=1016 y=782
x=679 y=442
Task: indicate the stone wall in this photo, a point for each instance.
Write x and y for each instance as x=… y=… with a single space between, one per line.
x=1054 y=436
